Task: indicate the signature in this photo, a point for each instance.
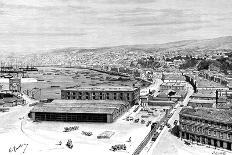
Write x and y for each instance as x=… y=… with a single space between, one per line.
x=219 y=153
x=15 y=148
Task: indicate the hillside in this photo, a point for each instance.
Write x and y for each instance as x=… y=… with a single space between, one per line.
x=123 y=54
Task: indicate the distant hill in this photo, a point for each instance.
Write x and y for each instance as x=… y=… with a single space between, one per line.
x=125 y=53
x=215 y=43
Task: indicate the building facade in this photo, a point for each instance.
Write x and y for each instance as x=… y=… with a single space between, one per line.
x=15 y=84
x=104 y=111
x=207 y=126
x=202 y=103
x=173 y=85
x=128 y=94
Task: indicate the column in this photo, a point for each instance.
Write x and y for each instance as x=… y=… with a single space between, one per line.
x=185 y=136
x=218 y=143
x=206 y=140
x=225 y=145
x=33 y=115
x=201 y=140
x=195 y=138
x=212 y=142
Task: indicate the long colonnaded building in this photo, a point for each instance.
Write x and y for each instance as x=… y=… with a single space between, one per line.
x=207 y=125
x=129 y=94
x=79 y=111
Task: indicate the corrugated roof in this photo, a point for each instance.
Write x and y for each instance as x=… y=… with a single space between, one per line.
x=101 y=88
x=202 y=101
x=94 y=110
x=216 y=115
x=80 y=106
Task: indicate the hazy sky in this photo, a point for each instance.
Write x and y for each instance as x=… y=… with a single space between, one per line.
x=32 y=25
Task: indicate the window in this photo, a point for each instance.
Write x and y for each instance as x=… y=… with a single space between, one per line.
x=68 y=93
x=80 y=95
x=221 y=135
x=203 y=131
x=228 y=136
x=228 y=126
x=183 y=127
x=101 y=96
x=94 y=96
x=74 y=93
x=209 y=132
x=115 y=96
x=121 y=96
x=128 y=96
x=107 y=96
x=214 y=133
x=87 y=95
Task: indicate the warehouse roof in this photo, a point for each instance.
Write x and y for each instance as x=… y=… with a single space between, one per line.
x=202 y=101
x=216 y=115
x=102 y=88
x=204 y=94
x=80 y=106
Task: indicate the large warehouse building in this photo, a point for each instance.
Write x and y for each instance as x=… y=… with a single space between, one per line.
x=80 y=110
x=128 y=94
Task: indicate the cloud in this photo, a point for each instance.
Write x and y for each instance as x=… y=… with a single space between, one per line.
x=127 y=1
x=172 y=22
x=111 y=22
x=42 y=34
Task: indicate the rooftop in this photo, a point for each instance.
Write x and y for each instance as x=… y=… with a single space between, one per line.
x=205 y=94
x=80 y=106
x=102 y=88
x=201 y=82
x=174 y=77
x=162 y=102
x=202 y=101
x=173 y=84
x=215 y=115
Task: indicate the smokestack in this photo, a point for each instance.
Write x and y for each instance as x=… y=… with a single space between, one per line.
x=216 y=98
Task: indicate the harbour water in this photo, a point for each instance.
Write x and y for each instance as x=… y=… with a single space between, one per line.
x=51 y=80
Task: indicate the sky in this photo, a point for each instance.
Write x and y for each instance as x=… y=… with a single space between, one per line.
x=38 y=25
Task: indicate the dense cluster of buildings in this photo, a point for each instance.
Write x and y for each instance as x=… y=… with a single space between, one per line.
x=207 y=119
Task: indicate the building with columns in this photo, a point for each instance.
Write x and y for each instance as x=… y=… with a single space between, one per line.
x=208 y=126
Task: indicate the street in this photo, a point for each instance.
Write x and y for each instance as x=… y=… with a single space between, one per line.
x=152 y=147
x=153 y=87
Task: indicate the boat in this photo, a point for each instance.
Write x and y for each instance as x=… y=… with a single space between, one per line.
x=28 y=69
x=54 y=86
x=8 y=76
